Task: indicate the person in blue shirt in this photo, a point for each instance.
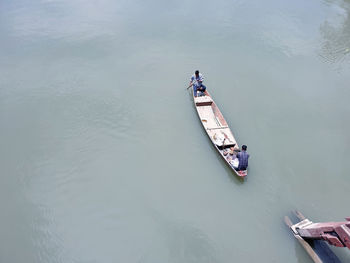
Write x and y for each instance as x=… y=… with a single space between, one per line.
x=243 y=157
x=197 y=82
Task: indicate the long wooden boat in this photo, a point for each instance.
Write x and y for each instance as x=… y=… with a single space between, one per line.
x=318 y=250
x=218 y=130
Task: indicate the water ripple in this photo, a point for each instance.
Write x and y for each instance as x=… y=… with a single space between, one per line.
x=335 y=48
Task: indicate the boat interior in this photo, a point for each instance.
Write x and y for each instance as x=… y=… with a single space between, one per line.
x=217 y=128
x=214 y=123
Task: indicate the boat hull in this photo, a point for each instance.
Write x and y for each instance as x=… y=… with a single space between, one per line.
x=218 y=131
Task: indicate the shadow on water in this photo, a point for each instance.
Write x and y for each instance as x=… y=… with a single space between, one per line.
x=233 y=177
x=322 y=249
x=335 y=48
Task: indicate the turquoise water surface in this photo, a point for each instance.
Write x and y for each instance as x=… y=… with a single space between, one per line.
x=102 y=155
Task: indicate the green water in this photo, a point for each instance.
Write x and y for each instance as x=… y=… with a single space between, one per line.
x=102 y=155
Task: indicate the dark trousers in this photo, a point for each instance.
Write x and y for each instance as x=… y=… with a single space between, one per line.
x=196 y=88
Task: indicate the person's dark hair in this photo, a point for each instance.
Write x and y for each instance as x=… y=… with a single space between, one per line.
x=196 y=72
x=244 y=147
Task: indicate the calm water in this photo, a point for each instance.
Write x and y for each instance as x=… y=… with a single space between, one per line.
x=102 y=156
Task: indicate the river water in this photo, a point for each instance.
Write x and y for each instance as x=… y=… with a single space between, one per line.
x=102 y=155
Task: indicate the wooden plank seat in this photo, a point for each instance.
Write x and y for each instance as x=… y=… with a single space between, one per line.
x=203 y=101
x=217 y=128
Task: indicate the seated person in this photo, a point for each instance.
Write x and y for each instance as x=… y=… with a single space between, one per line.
x=243 y=157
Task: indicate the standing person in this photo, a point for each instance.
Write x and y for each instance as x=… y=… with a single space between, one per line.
x=197 y=82
x=243 y=157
